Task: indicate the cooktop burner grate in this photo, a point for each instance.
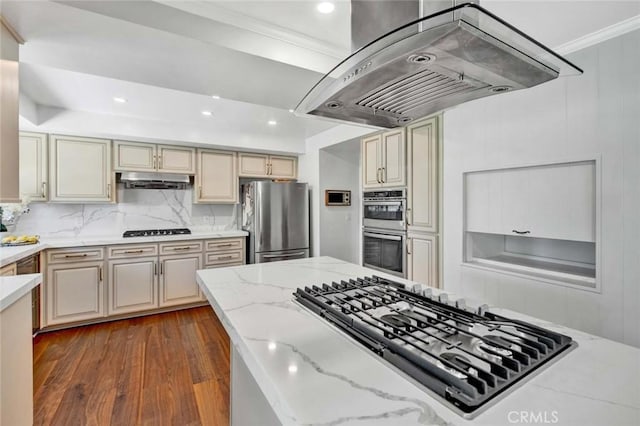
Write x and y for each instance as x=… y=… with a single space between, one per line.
x=156 y=232
x=465 y=357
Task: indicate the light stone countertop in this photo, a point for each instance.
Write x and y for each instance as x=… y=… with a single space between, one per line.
x=13 y=288
x=339 y=382
x=9 y=255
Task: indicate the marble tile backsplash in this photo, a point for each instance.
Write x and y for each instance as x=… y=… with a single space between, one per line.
x=136 y=209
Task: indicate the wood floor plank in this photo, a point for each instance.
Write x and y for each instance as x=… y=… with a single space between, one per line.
x=134 y=372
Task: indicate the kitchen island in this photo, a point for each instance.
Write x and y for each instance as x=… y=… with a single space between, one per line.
x=290 y=367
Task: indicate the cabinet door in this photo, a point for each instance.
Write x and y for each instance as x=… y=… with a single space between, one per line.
x=422 y=260
x=283 y=167
x=393 y=159
x=178 y=279
x=253 y=165
x=74 y=292
x=132 y=285
x=176 y=159
x=371 y=162
x=217 y=177
x=134 y=157
x=80 y=169
x=422 y=171
x=34 y=166
x=8 y=270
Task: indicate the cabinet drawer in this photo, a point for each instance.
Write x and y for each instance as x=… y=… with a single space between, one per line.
x=224 y=258
x=180 y=247
x=223 y=265
x=224 y=245
x=75 y=254
x=137 y=250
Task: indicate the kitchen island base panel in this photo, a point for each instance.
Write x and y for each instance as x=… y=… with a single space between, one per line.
x=248 y=404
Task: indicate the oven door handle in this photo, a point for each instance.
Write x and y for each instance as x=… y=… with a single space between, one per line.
x=383 y=203
x=383 y=236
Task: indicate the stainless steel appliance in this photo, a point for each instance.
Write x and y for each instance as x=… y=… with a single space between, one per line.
x=466 y=358
x=156 y=232
x=414 y=58
x=384 y=250
x=385 y=209
x=146 y=180
x=336 y=197
x=31 y=265
x=276 y=215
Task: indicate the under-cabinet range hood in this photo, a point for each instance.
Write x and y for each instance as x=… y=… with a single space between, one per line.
x=417 y=57
x=146 y=180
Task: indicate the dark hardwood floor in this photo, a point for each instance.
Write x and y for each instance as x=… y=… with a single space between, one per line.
x=161 y=369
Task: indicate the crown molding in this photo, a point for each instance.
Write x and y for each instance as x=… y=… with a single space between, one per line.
x=599 y=36
x=11 y=30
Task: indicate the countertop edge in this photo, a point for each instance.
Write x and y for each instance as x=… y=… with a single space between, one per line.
x=16 y=287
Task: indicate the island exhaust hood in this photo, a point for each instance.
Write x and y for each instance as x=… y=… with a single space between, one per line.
x=421 y=66
x=145 y=180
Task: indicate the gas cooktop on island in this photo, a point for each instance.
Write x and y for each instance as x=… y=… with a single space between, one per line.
x=465 y=358
x=156 y=232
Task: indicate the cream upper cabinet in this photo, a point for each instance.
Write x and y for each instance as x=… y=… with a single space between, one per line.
x=80 y=170
x=216 y=177
x=383 y=160
x=34 y=166
x=146 y=157
x=422 y=259
x=134 y=157
x=422 y=171
x=176 y=159
x=9 y=105
x=268 y=166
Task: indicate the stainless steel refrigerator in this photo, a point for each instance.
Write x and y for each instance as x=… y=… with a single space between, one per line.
x=276 y=215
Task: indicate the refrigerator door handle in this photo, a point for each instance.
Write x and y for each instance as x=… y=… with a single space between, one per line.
x=271 y=256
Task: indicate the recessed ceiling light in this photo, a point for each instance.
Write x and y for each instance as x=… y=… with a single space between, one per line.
x=290 y=110
x=207 y=113
x=215 y=96
x=272 y=122
x=120 y=100
x=325 y=7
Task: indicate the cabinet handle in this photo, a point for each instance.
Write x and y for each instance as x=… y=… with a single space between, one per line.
x=161 y=271
x=407 y=215
x=155 y=268
x=224 y=245
x=154 y=161
x=76 y=255
x=383 y=175
x=159 y=162
x=134 y=251
x=100 y=268
x=378 y=175
x=225 y=257
x=408 y=247
x=520 y=232
x=180 y=248
x=109 y=191
x=44 y=189
x=200 y=191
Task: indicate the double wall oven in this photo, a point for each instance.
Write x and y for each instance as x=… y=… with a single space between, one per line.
x=385 y=231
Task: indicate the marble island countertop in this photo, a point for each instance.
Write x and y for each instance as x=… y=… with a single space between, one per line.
x=12 y=254
x=13 y=288
x=312 y=374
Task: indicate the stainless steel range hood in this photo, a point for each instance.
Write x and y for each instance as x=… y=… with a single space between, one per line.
x=143 y=180
x=449 y=56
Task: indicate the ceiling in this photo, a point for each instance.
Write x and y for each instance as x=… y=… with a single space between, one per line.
x=167 y=58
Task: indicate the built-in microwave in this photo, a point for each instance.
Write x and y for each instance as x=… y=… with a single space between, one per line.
x=385 y=209
x=335 y=197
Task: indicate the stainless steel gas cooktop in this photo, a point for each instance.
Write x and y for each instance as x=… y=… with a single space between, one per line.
x=466 y=358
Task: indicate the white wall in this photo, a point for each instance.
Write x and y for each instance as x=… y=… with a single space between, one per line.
x=340 y=225
x=309 y=170
x=593 y=115
x=136 y=209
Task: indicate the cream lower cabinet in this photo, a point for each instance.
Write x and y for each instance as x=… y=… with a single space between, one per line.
x=74 y=292
x=133 y=285
x=422 y=259
x=178 y=284
x=216 y=177
x=8 y=270
x=80 y=170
